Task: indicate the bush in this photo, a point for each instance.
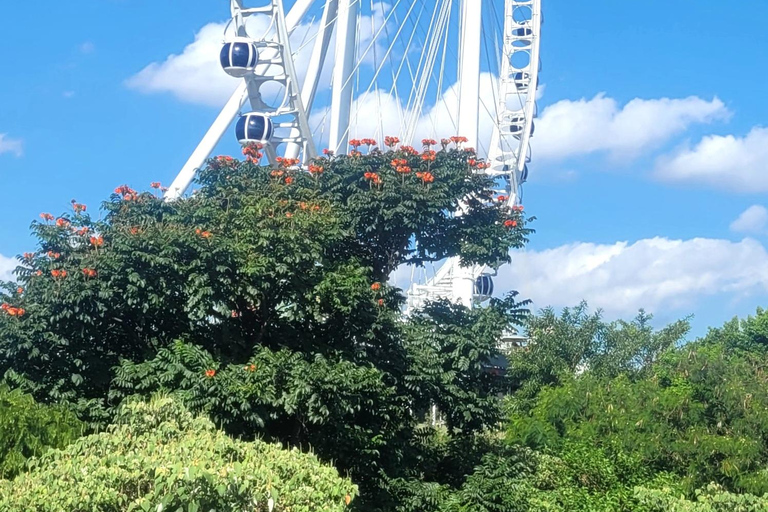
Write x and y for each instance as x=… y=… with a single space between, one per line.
x=158 y=456
x=29 y=429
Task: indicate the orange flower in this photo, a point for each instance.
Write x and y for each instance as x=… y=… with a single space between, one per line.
x=39 y=273
x=459 y=139
x=347 y=499
x=5 y=306
x=19 y=290
x=288 y=180
x=370 y=142
x=501 y=199
x=29 y=255
x=62 y=223
x=427 y=177
x=250 y=368
x=276 y=174
x=315 y=170
x=54 y=255
x=316 y=208
x=380 y=302
x=376 y=287
x=403 y=169
x=429 y=142
x=156 y=185
x=429 y=156
x=134 y=230
x=97 y=241
x=409 y=149
x=289 y=215
x=328 y=152
x=82 y=231
x=89 y=272
x=355 y=143
x=391 y=141
x=210 y=373
x=46 y=216
x=510 y=223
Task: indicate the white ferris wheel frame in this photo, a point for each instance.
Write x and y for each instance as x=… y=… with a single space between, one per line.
x=509 y=150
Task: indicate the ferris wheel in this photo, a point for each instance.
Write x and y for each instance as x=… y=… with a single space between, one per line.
x=327 y=71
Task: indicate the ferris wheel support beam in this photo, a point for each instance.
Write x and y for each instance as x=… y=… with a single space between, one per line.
x=343 y=86
x=469 y=74
x=224 y=120
x=316 y=62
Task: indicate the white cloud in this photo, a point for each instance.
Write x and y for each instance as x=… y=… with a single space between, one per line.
x=9 y=145
x=752 y=220
x=654 y=274
x=733 y=163
x=195 y=75
x=600 y=125
x=7 y=266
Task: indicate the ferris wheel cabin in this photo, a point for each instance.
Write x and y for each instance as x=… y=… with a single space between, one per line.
x=254 y=128
x=239 y=57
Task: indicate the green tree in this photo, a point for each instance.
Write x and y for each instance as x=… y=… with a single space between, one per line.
x=262 y=299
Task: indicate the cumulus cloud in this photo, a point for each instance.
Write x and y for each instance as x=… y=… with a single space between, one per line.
x=7 y=266
x=752 y=220
x=600 y=125
x=9 y=145
x=735 y=163
x=624 y=277
x=195 y=75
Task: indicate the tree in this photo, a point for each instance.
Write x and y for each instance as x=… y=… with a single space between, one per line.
x=262 y=299
x=158 y=456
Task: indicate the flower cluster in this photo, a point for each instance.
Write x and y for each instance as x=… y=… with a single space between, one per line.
x=210 y=373
x=287 y=162
x=429 y=156
x=82 y=231
x=89 y=272
x=509 y=223
x=518 y=208
x=12 y=311
x=127 y=192
x=59 y=274
x=250 y=368
x=409 y=150
x=62 y=223
x=54 y=255
x=224 y=160
x=376 y=287
x=316 y=170
x=97 y=241
x=29 y=256
x=373 y=178
x=458 y=139
x=204 y=234
x=252 y=152
x=47 y=217
x=328 y=152
x=78 y=207
x=391 y=142
x=426 y=177
x=428 y=143
x=401 y=165
x=501 y=199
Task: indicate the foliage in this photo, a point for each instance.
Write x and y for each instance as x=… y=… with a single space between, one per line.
x=160 y=457
x=29 y=429
x=698 y=413
x=577 y=341
x=262 y=299
x=711 y=499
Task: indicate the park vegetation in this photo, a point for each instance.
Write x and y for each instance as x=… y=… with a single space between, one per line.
x=242 y=349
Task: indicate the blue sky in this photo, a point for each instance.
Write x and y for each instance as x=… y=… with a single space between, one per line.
x=649 y=174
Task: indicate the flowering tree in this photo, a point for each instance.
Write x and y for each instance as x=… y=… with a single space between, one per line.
x=262 y=299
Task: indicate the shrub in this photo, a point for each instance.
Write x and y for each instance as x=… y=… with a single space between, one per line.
x=158 y=456
x=29 y=429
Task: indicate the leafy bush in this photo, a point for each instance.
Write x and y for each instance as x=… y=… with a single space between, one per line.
x=29 y=429
x=711 y=499
x=158 y=456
